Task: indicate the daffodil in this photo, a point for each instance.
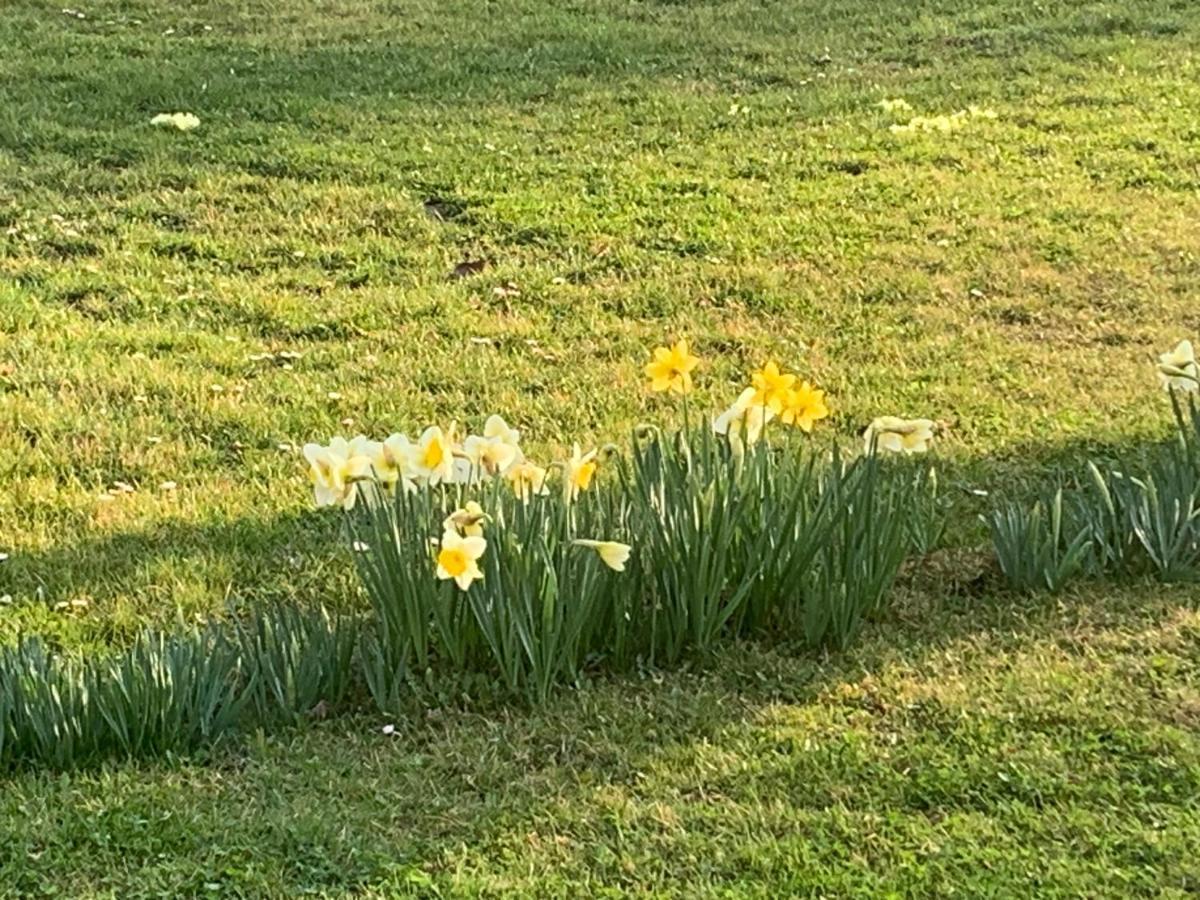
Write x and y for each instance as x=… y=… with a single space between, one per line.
x=743 y=422
x=613 y=554
x=771 y=387
x=489 y=456
x=496 y=429
x=467 y=521
x=671 y=368
x=527 y=479
x=181 y=120
x=895 y=435
x=432 y=457
x=394 y=464
x=578 y=474
x=334 y=471
x=803 y=406
x=458 y=558
x=1178 y=370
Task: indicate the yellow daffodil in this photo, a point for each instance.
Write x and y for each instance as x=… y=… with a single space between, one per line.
x=527 y=479
x=334 y=471
x=671 y=368
x=467 y=521
x=1178 y=370
x=771 y=387
x=743 y=422
x=458 y=558
x=613 y=555
x=895 y=435
x=432 y=458
x=803 y=406
x=578 y=474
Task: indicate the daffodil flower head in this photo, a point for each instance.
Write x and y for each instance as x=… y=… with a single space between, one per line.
x=892 y=434
x=671 y=368
x=489 y=456
x=467 y=521
x=743 y=422
x=803 y=406
x=527 y=479
x=496 y=429
x=335 y=469
x=458 y=558
x=432 y=457
x=771 y=386
x=180 y=120
x=1178 y=369
x=612 y=554
x=394 y=465
x=578 y=473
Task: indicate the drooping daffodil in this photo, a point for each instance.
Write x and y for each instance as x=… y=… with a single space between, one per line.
x=895 y=435
x=432 y=457
x=1178 y=369
x=803 y=406
x=467 y=521
x=671 y=368
x=613 y=554
x=578 y=473
x=335 y=470
x=743 y=422
x=527 y=479
x=458 y=558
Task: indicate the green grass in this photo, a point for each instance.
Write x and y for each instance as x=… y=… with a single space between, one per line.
x=638 y=171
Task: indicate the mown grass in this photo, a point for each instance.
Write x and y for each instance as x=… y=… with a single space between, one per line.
x=636 y=170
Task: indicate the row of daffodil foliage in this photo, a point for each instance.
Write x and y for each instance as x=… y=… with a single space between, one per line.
x=1129 y=521
x=477 y=557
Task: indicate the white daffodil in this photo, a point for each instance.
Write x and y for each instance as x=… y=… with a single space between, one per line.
x=613 y=554
x=394 y=465
x=458 y=558
x=895 y=435
x=578 y=473
x=497 y=429
x=432 y=458
x=467 y=521
x=527 y=479
x=334 y=471
x=489 y=456
x=743 y=422
x=1178 y=370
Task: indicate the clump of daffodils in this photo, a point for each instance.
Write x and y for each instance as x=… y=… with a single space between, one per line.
x=1178 y=369
x=772 y=394
x=179 y=120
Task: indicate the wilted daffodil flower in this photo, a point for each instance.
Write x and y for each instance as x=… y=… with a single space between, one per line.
x=335 y=469
x=432 y=458
x=527 y=479
x=895 y=435
x=743 y=422
x=771 y=387
x=458 y=558
x=467 y=521
x=803 y=406
x=671 y=368
x=578 y=473
x=613 y=554
x=1178 y=370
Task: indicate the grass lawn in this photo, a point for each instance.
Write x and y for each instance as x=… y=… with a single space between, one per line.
x=629 y=171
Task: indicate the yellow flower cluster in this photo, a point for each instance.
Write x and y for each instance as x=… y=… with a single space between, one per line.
x=180 y=120
x=941 y=123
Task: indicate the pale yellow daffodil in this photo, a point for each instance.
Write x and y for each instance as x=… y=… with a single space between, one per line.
x=458 y=558
x=892 y=434
x=335 y=470
x=743 y=422
x=613 y=554
x=1178 y=369
x=578 y=473
x=432 y=457
x=467 y=521
x=527 y=479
